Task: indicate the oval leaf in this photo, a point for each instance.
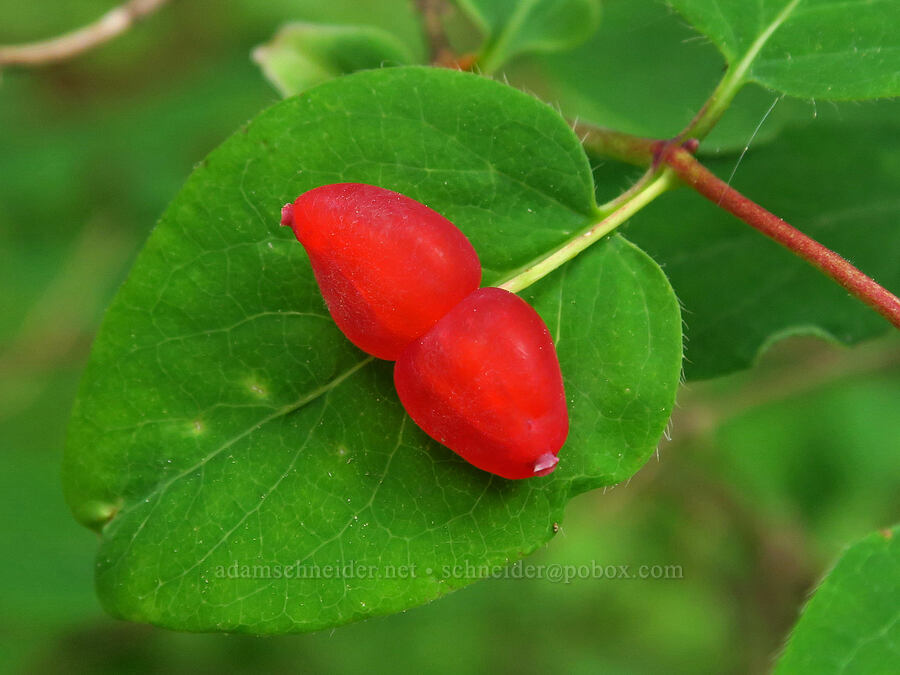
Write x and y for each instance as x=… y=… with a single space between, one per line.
x=228 y=439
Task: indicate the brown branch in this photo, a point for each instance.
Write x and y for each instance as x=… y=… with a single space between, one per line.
x=439 y=51
x=110 y=25
x=694 y=174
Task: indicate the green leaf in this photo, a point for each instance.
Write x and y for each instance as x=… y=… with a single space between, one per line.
x=809 y=48
x=305 y=54
x=852 y=624
x=834 y=180
x=513 y=27
x=224 y=419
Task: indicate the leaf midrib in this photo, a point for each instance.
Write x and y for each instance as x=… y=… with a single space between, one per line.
x=743 y=66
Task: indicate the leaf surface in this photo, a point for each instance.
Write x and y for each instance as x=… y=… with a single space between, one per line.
x=826 y=49
x=229 y=430
x=852 y=623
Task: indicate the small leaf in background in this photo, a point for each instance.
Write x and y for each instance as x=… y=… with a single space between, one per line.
x=808 y=48
x=226 y=421
x=305 y=54
x=836 y=180
x=513 y=27
x=851 y=624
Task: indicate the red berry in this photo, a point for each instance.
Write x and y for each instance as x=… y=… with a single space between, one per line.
x=485 y=382
x=388 y=267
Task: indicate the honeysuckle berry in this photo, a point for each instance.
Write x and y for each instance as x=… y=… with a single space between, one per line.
x=388 y=266
x=485 y=381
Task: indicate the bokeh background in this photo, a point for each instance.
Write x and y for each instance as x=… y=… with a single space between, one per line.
x=768 y=475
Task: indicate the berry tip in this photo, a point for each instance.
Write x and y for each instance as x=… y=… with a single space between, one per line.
x=287 y=214
x=545 y=464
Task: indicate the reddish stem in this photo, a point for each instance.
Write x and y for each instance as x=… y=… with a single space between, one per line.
x=686 y=166
x=610 y=143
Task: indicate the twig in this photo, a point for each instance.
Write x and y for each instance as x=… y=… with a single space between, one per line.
x=615 y=144
x=110 y=25
x=439 y=51
x=720 y=193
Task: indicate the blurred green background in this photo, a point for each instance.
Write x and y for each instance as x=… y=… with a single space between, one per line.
x=769 y=473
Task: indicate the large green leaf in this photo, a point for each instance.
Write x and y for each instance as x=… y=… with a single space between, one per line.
x=512 y=27
x=224 y=419
x=836 y=181
x=852 y=623
x=305 y=54
x=810 y=48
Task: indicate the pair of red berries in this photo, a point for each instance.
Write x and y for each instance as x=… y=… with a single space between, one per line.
x=475 y=368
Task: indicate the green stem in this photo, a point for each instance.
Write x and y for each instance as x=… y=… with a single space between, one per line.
x=541 y=267
x=715 y=106
x=734 y=79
